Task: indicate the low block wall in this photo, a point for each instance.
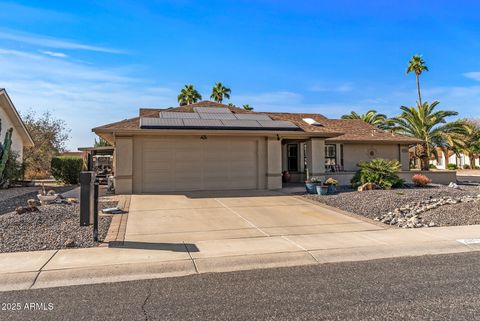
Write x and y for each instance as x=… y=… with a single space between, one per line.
x=437 y=177
x=343 y=178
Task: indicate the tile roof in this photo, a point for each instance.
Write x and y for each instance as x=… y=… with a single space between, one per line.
x=351 y=130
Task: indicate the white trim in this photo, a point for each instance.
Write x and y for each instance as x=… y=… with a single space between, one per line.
x=27 y=139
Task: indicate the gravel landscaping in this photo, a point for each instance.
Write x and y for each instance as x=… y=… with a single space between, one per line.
x=55 y=226
x=13 y=197
x=436 y=205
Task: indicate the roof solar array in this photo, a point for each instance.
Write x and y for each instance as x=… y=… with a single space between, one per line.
x=253 y=116
x=234 y=124
x=215 y=118
x=241 y=123
x=203 y=122
x=173 y=114
x=277 y=123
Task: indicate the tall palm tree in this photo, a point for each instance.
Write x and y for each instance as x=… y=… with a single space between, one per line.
x=427 y=125
x=247 y=107
x=188 y=95
x=371 y=117
x=417 y=65
x=219 y=92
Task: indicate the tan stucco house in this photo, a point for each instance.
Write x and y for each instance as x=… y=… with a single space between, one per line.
x=211 y=146
x=10 y=118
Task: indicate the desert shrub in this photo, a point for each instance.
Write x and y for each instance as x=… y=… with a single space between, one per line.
x=13 y=170
x=452 y=166
x=331 y=181
x=383 y=173
x=431 y=166
x=421 y=180
x=315 y=180
x=67 y=168
x=466 y=166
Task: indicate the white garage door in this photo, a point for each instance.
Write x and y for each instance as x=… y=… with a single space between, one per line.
x=191 y=163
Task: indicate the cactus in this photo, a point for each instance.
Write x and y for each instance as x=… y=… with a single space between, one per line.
x=4 y=152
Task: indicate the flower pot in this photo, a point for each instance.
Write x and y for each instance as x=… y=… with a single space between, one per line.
x=332 y=189
x=322 y=190
x=311 y=188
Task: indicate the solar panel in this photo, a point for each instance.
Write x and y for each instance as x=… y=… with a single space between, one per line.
x=241 y=123
x=217 y=116
x=173 y=114
x=203 y=122
x=214 y=110
x=160 y=122
x=253 y=116
x=277 y=124
x=233 y=124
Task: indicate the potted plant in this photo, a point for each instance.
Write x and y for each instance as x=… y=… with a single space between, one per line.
x=322 y=189
x=311 y=185
x=331 y=183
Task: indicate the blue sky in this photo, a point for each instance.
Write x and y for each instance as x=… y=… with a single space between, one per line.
x=95 y=62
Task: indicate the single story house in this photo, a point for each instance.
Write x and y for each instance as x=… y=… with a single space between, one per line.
x=10 y=118
x=460 y=160
x=212 y=146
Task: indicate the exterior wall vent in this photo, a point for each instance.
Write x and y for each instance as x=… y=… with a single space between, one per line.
x=311 y=121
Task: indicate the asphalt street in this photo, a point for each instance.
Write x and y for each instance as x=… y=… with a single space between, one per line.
x=419 y=288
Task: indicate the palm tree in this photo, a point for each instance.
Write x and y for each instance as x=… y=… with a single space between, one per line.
x=417 y=65
x=427 y=125
x=188 y=95
x=451 y=138
x=247 y=107
x=371 y=117
x=471 y=141
x=219 y=92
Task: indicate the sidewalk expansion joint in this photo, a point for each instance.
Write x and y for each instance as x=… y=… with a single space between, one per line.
x=41 y=268
x=243 y=218
x=301 y=247
x=191 y=257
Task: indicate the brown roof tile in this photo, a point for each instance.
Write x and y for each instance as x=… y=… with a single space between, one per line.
x=353 y=130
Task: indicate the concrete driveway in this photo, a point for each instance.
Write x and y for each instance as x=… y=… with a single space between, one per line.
x=201 y=216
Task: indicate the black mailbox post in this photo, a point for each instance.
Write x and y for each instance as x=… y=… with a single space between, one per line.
x=89 y=201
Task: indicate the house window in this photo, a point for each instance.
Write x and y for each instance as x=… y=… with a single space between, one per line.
x=292 y=157
x=330 y=154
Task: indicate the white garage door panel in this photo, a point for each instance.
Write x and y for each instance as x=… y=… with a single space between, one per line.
x=189 y=163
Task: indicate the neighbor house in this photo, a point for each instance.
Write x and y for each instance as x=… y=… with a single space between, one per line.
x=10 y=118
x=460 y=160
x=211 y=146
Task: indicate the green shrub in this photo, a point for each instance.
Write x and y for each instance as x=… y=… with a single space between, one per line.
x=13 y=168
x=431 y=166
x=381 y=172
x=466 y=166
x=67 y=169
x=452 y=166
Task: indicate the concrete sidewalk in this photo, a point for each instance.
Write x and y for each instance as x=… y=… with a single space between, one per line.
x=133 y=261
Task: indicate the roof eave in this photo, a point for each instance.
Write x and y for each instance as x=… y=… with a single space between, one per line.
x=27 y=138
x=140 y=131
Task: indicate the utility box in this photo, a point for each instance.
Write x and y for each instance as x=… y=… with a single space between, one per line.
x=87 y=199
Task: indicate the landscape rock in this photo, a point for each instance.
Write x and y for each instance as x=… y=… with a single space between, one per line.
x=430 y=204
x=412 y=212
x=69 y=243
